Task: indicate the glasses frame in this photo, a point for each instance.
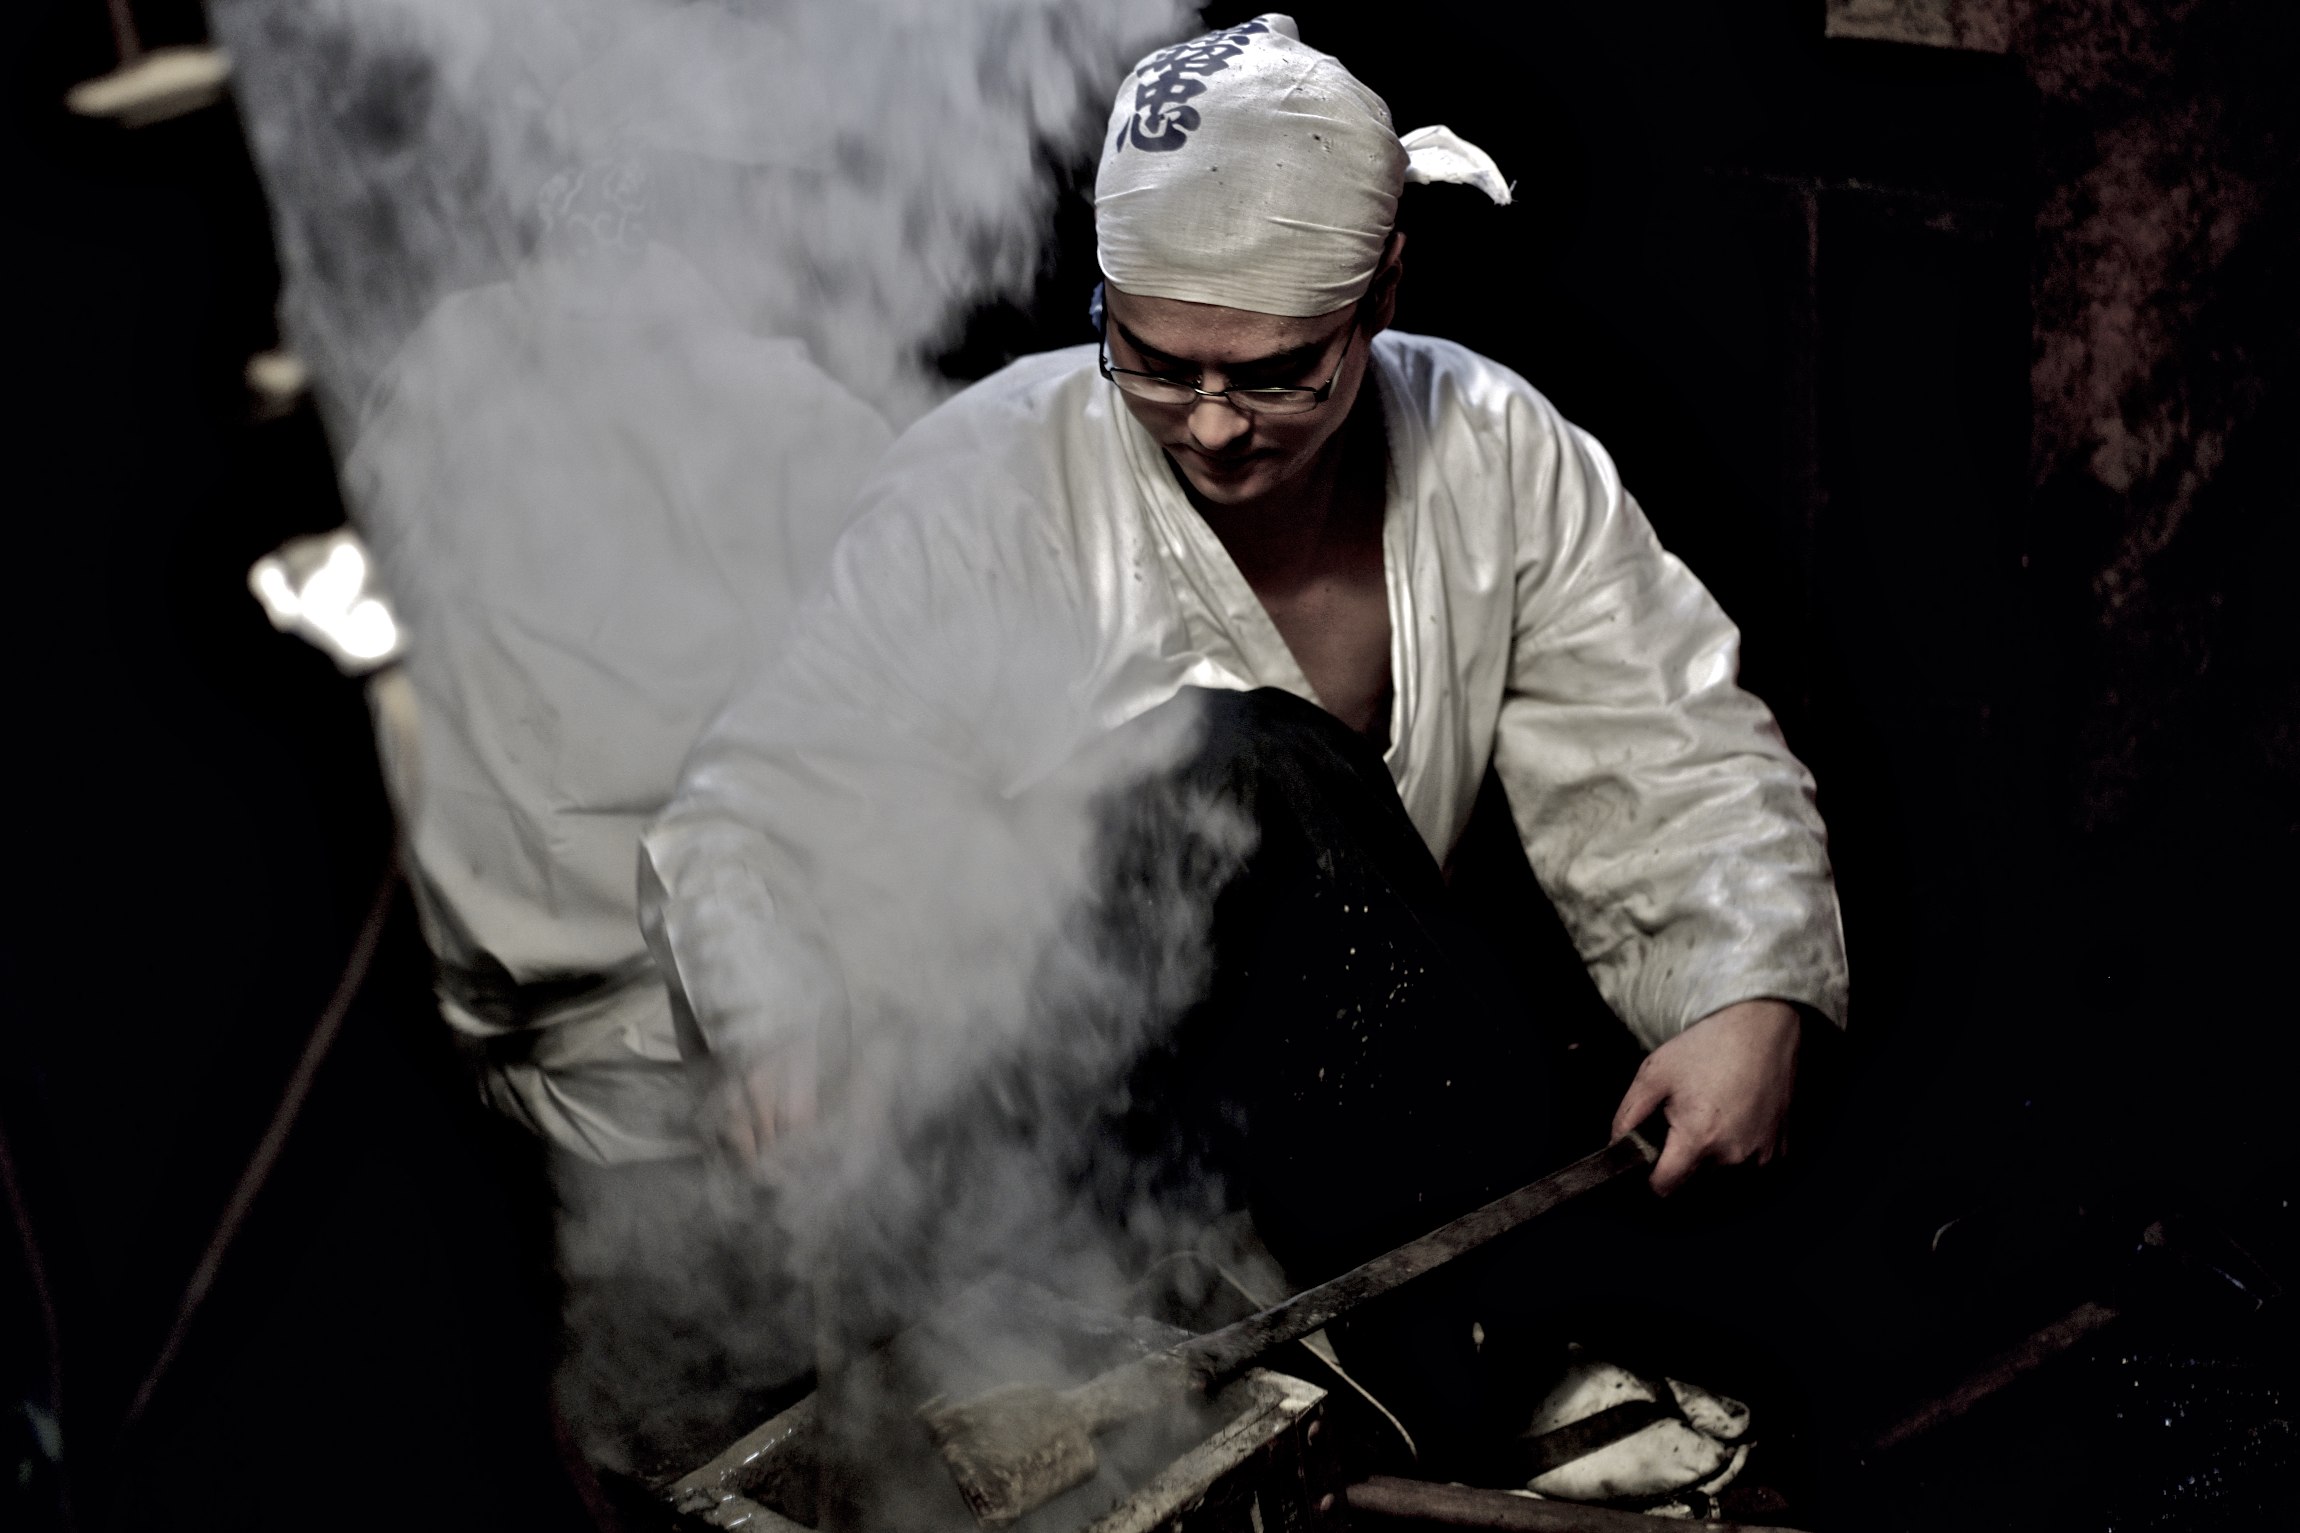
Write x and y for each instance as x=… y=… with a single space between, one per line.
x=1239 y=399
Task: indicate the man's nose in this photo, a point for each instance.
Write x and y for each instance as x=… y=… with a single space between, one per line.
x=1216 y=424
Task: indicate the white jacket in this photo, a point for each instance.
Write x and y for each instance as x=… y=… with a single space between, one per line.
x=1027 y=540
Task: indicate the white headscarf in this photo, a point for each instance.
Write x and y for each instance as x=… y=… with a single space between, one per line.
x=1247 y=170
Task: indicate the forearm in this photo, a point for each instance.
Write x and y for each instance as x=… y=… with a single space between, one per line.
x=744 y=977
x=1690 y=877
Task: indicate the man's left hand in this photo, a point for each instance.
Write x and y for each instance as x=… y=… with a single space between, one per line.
x=1724 y=1084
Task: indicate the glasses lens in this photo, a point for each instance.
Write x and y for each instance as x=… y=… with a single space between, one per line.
x=1158 y=390
x=1275 y=401
x=1166 y=391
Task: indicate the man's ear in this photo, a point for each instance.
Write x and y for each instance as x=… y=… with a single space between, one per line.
x=1384 y=292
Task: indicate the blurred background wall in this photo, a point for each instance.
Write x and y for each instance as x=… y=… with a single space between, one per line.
x=1963 y=374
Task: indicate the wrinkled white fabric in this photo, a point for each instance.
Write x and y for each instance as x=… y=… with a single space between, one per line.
x=1436 y=155
x=1703 y=1447
x=1536 y=623
x=594 y=505
x=1247 y=170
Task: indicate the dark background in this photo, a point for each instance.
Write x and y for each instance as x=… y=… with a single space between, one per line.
x=1965 y=380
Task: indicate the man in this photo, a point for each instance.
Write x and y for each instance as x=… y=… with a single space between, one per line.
x=1254 y=490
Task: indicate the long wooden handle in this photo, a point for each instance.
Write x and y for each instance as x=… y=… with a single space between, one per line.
x=1132 y=1389
x=1217 y=1354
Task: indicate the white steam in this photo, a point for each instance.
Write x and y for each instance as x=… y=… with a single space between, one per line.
x=557 y=264
x=851 y=173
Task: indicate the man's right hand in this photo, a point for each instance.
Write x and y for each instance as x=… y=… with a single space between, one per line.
x=764 y=1099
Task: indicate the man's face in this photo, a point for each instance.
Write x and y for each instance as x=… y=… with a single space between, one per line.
x=1231 y=457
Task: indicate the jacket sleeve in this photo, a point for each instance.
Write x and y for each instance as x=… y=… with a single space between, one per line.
x=1659 y=805
x=728 y=873
x=864 y=778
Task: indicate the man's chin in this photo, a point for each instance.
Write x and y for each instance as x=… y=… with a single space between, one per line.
x=1230 y=484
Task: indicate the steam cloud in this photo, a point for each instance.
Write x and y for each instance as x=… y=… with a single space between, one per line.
x=843 y=178
x=851 y=174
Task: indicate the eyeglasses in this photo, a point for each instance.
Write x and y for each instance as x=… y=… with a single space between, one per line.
x=1157 y=389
